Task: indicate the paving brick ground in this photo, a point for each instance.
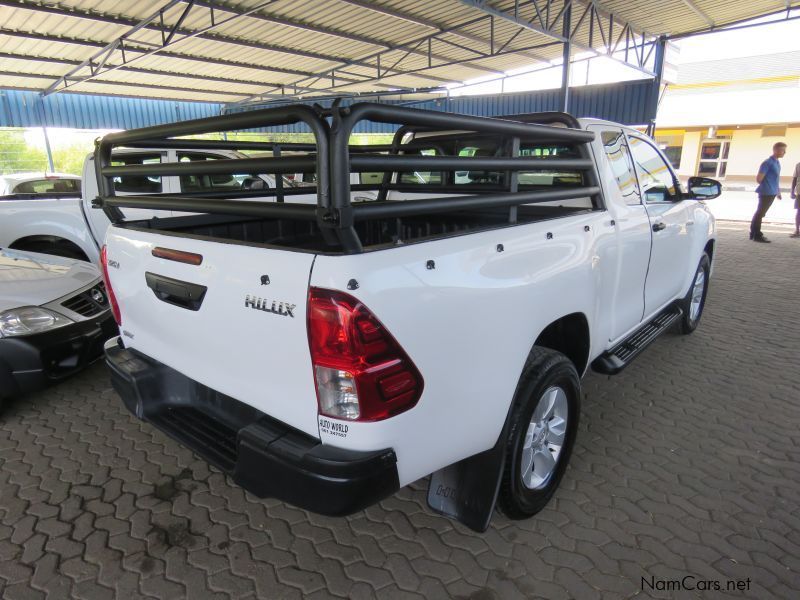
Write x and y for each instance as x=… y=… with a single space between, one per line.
x=686 y=464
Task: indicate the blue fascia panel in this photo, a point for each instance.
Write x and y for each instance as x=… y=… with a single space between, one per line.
x=625 y=102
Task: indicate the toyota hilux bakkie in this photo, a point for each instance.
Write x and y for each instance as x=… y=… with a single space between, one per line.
x=326 y=346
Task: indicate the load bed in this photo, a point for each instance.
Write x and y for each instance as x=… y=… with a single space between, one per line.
x=442 y=175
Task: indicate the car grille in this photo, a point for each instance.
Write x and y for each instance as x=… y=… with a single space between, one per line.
x=88 y=303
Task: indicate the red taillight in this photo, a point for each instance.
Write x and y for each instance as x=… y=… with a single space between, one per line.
x=360 y=370
x=112 y=299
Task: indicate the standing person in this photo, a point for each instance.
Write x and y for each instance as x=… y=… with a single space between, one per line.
x=768 y=189
x=796 y=196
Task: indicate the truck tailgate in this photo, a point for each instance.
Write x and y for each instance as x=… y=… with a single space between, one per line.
x=244 y=335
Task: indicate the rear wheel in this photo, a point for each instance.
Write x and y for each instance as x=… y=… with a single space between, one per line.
x=543 y=427
x=695 y=301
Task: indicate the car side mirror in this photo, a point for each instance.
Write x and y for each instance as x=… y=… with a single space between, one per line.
x=703 y=188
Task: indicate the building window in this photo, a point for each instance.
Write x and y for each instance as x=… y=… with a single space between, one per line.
x=714 y=158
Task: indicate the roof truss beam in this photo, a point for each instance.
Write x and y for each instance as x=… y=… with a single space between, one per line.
x=143 y=71
x=278 y=20
x=97 y=62
x=202 y=33
x=133 y=47
x=137 y=47
x=438 y=28
x=341 y=88
x=153 y=86
x=699 y=12
x=618 y=41
x=421 y=42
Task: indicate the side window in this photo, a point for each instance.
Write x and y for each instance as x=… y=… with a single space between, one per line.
x=137 y=184
x=218 y=181
x=371 y=178
x=655 y=177
x=619 y=159
x=422 y=177
x=485 y=148
x=549 y=177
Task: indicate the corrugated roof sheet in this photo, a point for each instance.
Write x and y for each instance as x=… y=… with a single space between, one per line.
x=229 y=50
x=624 y=102
x=81 y=111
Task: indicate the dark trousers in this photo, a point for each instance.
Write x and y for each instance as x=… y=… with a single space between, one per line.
x=764 y=202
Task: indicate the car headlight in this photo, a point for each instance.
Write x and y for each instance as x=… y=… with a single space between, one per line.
x=28 y=320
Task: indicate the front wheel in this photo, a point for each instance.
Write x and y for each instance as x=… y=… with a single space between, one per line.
x=695 y=300
x=543 y=426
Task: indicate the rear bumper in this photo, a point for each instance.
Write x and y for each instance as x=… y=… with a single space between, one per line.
x=264 y=456
x=29 y=363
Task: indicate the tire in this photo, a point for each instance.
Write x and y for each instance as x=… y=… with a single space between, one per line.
x=695 y=300
x=547 y=376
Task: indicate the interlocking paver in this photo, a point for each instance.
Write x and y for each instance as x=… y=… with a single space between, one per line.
x=687 y=463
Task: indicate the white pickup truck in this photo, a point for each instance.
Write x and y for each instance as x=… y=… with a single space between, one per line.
x=326 y=351
x=60 y=221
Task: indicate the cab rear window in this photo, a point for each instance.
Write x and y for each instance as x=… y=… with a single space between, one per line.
x=50 y=185
x=136 y=184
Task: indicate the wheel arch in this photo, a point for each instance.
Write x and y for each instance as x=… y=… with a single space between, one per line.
x=709 y=249
x=32 y=241
x=570 y=335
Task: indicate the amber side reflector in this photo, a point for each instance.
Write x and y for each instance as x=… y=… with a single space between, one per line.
x=190 y=258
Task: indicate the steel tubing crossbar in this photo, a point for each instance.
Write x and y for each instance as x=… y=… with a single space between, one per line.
x=307 y=212
x=463 y=163
x=288 y=164
x=373 y=210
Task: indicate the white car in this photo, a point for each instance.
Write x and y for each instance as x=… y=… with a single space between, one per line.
x=64 y=224
x=54 y=319
x=39 y=183
x=328 y=354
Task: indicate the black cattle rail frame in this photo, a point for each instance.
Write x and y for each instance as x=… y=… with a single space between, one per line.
x=333 y=159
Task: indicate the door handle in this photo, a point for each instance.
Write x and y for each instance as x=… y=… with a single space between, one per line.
x=659 y=226
x=689 y=223
x=174 y=291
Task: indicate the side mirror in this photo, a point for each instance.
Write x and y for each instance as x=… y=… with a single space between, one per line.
x=703 y=188
x=254 y=183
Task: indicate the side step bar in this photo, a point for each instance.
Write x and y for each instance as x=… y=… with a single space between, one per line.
x=619 y=357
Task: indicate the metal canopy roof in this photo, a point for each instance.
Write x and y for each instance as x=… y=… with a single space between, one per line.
x=237 y=51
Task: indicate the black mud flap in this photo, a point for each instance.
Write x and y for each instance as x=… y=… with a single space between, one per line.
x=467 y=490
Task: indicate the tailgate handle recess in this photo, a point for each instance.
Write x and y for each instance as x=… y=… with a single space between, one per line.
x=174 y=291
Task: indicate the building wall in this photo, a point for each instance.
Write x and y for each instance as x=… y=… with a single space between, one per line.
x=689 y=153
x=747 y=150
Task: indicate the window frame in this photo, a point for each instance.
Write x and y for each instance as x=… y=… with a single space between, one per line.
x=631 y=166
x=675 y=181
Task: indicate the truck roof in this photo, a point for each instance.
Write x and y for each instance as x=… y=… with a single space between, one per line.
x=32 y=175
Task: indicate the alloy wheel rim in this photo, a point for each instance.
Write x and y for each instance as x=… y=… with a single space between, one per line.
x=697 y=294
x=544 y=439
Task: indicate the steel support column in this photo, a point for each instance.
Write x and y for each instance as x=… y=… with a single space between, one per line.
x=49 y=150
x=566 y=66
x=655 y=90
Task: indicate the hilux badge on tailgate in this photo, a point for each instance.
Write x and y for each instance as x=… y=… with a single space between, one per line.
x=279 y=308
